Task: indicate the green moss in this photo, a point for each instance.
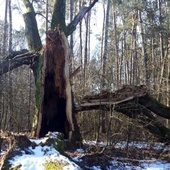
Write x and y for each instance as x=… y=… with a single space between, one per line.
x=38 y=79
x=39 y=90
x=6 y=166
x=57 y=165
x=16 y=167
x=58 y=143
x=28 y=5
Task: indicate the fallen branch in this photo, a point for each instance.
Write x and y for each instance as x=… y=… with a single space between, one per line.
x=134 y=102
x=155 y=106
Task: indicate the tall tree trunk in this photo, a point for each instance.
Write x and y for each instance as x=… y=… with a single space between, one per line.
x=10 y=27
x=106 y=38
x=46 y=13
x=5 y=31
x=86 y=48
x=144 y=52
x=71 y=18
x=134 y=58
x=10 y=75
x=103 y=126
x=57 y=100
x=116 y=52
x=71 y=37
x=102 y=38
x=3 y=53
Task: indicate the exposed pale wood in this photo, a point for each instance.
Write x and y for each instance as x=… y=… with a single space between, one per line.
x=100 y=103
x=56 y=105
x=127 y=92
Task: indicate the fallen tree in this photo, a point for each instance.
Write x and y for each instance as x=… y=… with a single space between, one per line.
x=134 y=102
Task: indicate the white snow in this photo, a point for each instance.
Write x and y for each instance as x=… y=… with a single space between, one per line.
x=135 y=144
x=158 y=165
x=40 y=155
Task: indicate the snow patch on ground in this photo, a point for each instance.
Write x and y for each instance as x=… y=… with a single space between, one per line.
x=136 y=144
x=41 y=154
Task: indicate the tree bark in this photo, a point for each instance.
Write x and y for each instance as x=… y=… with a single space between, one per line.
x=72 y=26
x=51 y=70
x=155 y=106
x=17 y=59
x=56 y=106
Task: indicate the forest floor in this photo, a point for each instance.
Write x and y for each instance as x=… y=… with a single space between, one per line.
x=122 y=156
x=95 y=156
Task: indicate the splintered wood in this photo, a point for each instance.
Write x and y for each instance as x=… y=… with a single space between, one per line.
x=55 y=59
x=57 y=98
x=127 y=93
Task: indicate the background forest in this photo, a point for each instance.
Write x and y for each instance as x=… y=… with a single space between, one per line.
x=117 y=43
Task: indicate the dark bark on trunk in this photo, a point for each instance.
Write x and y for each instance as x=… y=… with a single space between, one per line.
x=155 y=106
x=72 y=26
x=51 y=71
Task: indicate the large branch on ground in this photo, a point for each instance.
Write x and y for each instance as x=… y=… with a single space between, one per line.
x=127 y=93
x=19 y=58
x=144 y=117
x=72 y=26
x=134 y=102
x=155 y=106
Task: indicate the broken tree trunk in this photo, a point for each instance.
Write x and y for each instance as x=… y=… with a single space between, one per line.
x=47 y=104
x=136 y=103
x=55 y=99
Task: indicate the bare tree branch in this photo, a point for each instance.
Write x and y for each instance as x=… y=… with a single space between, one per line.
x=72 y=26
x=13 y=61
x=12 y=54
